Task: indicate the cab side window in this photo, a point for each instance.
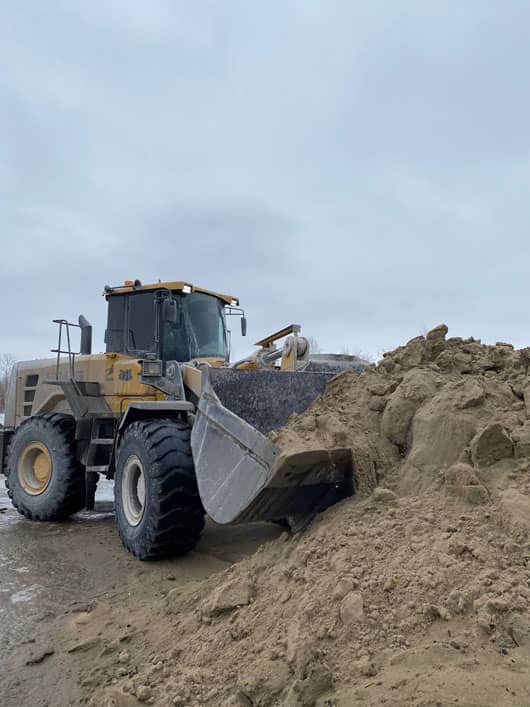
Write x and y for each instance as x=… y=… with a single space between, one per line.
x=114 y=334
x=140 y=335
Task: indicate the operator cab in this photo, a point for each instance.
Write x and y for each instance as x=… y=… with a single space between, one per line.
x=171 y=321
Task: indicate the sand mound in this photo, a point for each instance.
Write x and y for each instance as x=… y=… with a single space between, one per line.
x=413 y=592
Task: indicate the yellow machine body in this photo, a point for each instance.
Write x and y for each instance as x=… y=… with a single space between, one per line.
x=230 y=408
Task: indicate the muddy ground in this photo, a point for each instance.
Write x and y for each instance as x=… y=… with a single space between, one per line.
x=48 y=570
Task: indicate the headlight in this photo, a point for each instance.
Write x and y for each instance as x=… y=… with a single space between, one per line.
x=151 y=369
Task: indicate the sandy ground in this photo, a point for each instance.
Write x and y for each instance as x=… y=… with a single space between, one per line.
x=50 y=569
x=413 y=593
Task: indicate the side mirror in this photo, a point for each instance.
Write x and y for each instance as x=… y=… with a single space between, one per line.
x=169 y=311
x=243 y=326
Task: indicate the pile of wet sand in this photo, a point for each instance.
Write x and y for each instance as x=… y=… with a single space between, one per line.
x=414 y=592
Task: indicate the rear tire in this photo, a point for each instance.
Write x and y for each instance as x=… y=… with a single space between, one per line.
x=44 y=479
x=158 y=508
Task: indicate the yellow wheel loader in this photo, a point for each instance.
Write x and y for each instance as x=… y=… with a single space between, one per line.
x=180 y=430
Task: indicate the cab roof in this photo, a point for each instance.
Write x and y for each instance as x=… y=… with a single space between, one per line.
x=129 y=286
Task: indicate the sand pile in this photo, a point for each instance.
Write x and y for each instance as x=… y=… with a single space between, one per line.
x=414 y=592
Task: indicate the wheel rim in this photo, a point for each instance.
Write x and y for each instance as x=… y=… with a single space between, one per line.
x=35 y=468
x=133 y=490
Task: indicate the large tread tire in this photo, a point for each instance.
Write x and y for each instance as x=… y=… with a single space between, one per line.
x=173 y=515
x=65 y=492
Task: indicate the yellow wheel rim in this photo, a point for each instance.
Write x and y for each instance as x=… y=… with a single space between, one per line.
x=35 y=468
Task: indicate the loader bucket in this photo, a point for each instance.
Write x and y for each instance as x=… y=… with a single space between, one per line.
x=241 y=474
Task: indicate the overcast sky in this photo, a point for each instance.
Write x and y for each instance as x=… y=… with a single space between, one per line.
x=360 y=168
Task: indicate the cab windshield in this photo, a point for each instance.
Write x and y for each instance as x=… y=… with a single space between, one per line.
x=199 y=331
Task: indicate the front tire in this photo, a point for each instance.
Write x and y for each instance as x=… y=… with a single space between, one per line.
x=158 y=509
x=45 y=481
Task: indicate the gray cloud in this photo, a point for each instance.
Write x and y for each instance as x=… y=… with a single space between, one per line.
x=361 y=168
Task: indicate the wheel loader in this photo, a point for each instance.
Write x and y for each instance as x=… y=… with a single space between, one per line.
x=181 y=430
